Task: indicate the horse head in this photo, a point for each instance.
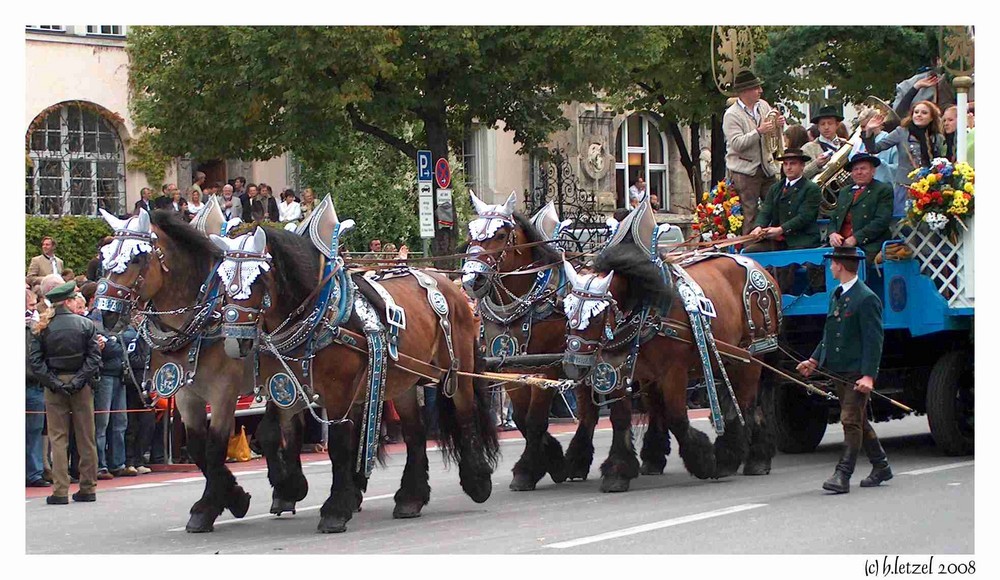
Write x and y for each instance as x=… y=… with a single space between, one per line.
x=129 y=279
x=592 y=316
x=246 y=287
x=493 y=237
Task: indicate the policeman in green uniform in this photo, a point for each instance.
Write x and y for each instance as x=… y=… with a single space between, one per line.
x=852 y=347
x=66 y=358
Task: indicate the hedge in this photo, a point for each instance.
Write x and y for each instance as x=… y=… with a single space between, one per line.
x=76 y=239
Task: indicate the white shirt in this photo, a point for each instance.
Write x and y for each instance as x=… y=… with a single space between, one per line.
x=791 y=183
x=847 y=285
x=835 y=144
x=754 y=112
x=288 y=212
x=195 y=208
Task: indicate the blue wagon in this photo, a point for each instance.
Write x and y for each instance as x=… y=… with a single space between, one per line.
x=927 y=361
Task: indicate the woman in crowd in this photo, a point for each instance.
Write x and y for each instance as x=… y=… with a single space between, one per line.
x=289 y=210
x=918 y=140
x=796 y=136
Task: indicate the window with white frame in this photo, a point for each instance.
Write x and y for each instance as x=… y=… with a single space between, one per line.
x=641 y=151
x=77 y=164
x=106 y=30
x=471 y=160
x=45 y=27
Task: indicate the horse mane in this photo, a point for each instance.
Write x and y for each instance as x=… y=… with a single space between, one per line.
x=295 y=262
x=197 y=254
x=543 y=253
x=645 y=282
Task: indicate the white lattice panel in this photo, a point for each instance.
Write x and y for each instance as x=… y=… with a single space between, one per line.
x=949 y=264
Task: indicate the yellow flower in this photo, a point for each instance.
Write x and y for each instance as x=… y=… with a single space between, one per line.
x=968 y=188
x=735 y=223
x=914 y=173
x=704 y=196
x=710 y=207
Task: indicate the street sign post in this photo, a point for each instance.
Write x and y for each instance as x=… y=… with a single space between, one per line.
x=426 y=194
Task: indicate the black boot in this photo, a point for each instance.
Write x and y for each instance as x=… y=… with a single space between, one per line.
x=840 y=481
x=880 y=464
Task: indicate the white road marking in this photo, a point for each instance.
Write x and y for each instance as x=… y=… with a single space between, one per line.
x=143 y=486
x=186 y=479
x=655 y=526
x=939 y=468
x=268 y=515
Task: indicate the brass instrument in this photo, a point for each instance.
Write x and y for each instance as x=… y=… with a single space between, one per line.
x=774 y=141
x=833 y=178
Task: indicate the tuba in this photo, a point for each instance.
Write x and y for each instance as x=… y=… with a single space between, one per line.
x=834 y=177
x=774 y=141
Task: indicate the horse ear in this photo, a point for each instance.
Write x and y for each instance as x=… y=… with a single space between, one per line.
x=510 y=204
x=115 y=223
x=480 y=206
x=222 y=243
x=144 y=222
x=571 y=275
x=259 y=240
x=601 y=285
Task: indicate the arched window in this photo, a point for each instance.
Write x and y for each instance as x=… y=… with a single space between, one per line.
x=77 y=163
x=641 y=151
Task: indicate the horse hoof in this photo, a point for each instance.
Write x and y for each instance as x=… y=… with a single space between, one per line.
x=577 y=475
x=756 y=469
x=200 y=523
x=241 y=505
x=280 y=506
x=332 y=525
x=649 y=468
x=407 y=510
x=523 y=482
x=614 y=484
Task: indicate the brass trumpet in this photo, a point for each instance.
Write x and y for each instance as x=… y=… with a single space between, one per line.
x=834 y=177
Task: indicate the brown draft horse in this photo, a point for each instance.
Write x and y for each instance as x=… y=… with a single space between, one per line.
x=340 y=377
x=169 y=279
x=664 y=364
x=500 y=282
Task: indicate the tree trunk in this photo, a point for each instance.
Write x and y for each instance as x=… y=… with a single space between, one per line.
x=443 y=243
x=718 y=151
x=675 y=133
x=696 y=160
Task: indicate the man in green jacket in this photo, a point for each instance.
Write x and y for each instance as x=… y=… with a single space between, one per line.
x=851 y=347
x=787 y=218
x=863 y=213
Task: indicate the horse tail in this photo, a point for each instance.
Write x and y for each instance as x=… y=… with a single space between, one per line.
x=449 y=431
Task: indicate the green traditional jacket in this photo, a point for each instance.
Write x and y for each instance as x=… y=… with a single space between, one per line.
x=795 y=210
x=870 y=216
x=852 y=336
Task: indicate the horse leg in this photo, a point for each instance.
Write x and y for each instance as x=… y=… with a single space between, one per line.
x=621 y=466
x=580 y=453
x=414 y=491
x=656 y=440
x=732 y=446
x=192 y=410
x=762 y=444
x=695 y=449
x=533 y=422
x=292 y=485
x=338 y=509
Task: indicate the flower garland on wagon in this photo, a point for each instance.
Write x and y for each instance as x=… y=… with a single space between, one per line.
x=941 y=195
x=720 y=213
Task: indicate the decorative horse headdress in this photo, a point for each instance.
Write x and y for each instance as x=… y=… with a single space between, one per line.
x=324 y=228
x=589 y=296
x=546 y=221
x=642 y=224
x=245 y=258
x=133 y=236
x=491 y=217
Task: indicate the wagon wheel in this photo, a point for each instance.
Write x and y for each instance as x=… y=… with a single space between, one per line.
x=797 y=420
x=951 y=403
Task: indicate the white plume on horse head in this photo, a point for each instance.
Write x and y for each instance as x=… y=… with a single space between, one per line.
x=510 y=204
x=139 y=224
x=259 y=241
x=238 y=275
x=601 y=285
x=571 y=275
x=346 y=226
x=587 y=299
x=479 y=205
x=115 y=257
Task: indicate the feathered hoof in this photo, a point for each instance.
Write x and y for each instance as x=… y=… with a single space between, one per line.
x=358 y=498
x=200 y=523
x=651 y=468
x=280 y=506
x=406 y=510
x=614 y=484
x=523 y=482
x=757 y=468
x=239 y=505
x=332 y=525
x=478 y=489
x=577 y=474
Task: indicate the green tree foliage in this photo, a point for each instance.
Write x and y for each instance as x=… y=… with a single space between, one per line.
x=254 y=92
x=76 y=238
x=857 y=60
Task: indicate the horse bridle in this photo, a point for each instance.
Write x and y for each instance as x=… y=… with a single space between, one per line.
x=241 y=322
x=114 y=297
x=583 y=352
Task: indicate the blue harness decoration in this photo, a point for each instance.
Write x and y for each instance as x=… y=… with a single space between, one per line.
x=374 y=400
x=167 y=379
x=281 y=390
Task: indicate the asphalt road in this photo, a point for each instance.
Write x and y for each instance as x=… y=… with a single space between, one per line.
x=928 y=508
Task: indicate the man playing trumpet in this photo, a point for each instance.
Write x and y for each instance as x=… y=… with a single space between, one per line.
x=823 y=148
x=747 y=124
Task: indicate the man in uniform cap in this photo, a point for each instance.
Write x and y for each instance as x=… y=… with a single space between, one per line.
x=66 y=359
x=851 y=347
x=827 y=120
x=748 y=161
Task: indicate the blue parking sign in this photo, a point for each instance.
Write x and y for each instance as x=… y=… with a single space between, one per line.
x=425 y=169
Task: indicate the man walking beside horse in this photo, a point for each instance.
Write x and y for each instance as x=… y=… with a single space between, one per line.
x=852 y=347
